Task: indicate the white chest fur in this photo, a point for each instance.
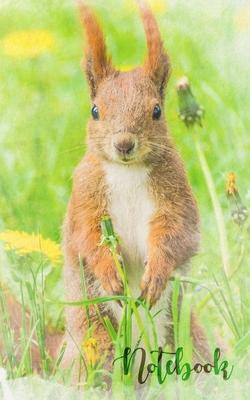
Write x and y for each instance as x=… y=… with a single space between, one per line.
x=130 y=207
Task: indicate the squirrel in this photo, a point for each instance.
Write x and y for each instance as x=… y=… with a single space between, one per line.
x=133 y=173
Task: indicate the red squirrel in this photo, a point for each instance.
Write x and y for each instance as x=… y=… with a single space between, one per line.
x=133 y=173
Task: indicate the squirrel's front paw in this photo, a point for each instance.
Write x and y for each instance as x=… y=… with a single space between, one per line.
x=152 y=286
x=110 y=281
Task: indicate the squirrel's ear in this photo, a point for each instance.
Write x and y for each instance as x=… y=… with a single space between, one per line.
x=97 y=64
x=157 y=64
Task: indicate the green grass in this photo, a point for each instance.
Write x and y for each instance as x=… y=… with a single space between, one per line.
x=45 y=105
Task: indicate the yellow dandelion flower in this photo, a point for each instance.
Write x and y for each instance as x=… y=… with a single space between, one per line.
x=231 y=187
x=90 y=348
x=242 y=19
x=25 y=243
x=27 y=44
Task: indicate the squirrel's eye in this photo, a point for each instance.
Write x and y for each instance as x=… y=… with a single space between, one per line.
x=157 y=112
x=95 y=112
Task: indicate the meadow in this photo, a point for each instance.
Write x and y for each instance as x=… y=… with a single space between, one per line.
x=45 y=104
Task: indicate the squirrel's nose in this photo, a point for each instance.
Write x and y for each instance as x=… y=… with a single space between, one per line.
x=124 y=146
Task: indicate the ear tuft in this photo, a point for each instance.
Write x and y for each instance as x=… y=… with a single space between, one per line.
x=157 y=64
x=97 y=63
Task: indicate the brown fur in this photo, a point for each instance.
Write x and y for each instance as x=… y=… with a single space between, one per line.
x=157 y=64
x=97 y=62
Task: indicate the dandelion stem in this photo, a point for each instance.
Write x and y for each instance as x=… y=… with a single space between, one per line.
x=216 y=206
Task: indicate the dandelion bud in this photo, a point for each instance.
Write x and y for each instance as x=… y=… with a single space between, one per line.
x=190 y=112
x=239 y=212
x=231 y=188
x=109 y=238
x=91 y=353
